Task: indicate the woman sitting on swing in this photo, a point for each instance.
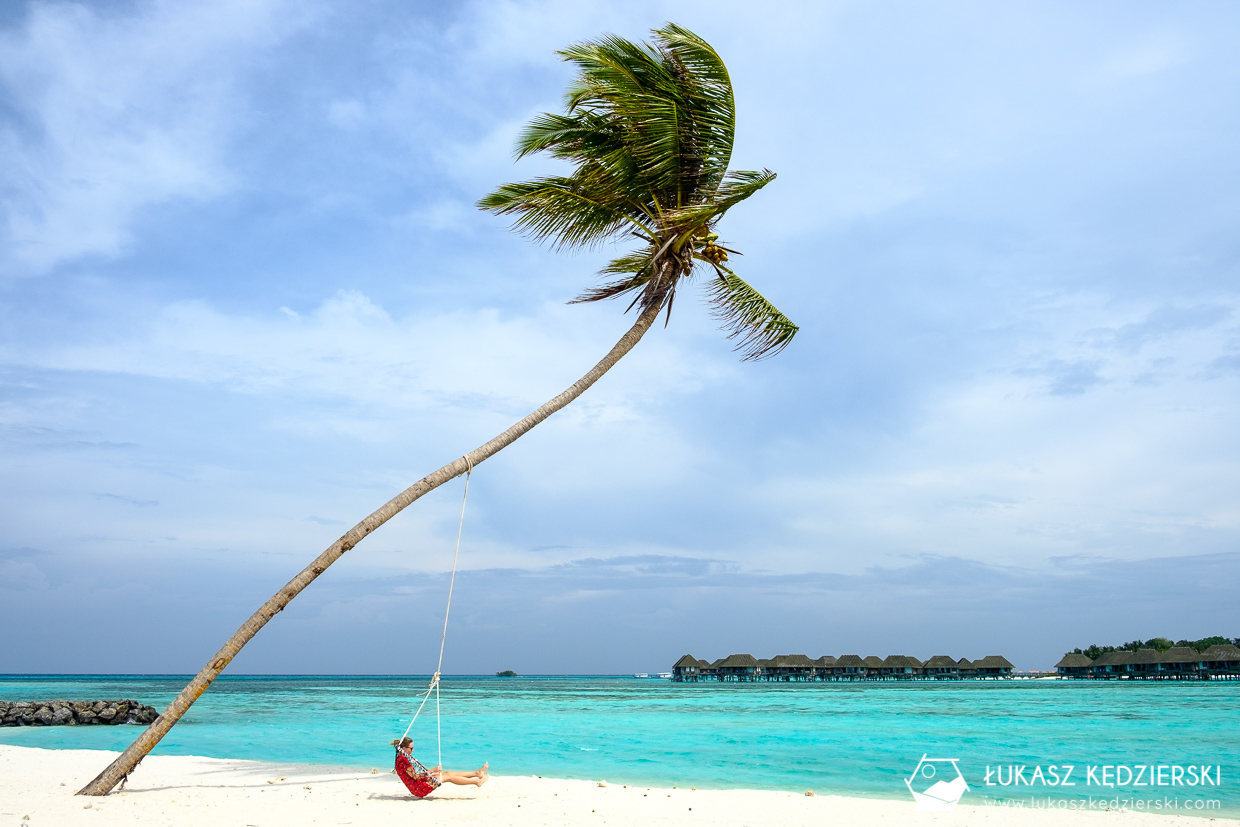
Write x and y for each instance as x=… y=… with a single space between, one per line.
x=422 y=782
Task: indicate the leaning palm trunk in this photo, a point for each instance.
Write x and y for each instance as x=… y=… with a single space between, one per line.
x=649 y=131
x=128 y=760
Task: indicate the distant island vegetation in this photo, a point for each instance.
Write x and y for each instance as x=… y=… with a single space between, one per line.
x=1160 y=644
x=507 y=673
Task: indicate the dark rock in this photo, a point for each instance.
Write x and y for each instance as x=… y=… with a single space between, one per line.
x=72 y=713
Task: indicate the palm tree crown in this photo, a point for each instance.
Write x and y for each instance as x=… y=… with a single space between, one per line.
x=649 y=128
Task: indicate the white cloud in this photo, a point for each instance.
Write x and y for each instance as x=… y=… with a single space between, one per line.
x=116 y=113
x=1058 y=443
x=350 y=350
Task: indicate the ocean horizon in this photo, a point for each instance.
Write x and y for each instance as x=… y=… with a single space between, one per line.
x=857 y=739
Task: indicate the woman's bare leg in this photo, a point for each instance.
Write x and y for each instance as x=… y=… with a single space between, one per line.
x=478 y=773
x=463 y=779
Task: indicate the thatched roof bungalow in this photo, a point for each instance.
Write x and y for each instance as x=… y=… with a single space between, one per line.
x=849 y=668
x=1112 y=664
x=939 y=667
x=1179 y=662
x=738 y=668
x=994 y=666
x=688 y=668
x=966 y=668
x=899 y=666
x=1143 y=662
x=1075 y=665
x=1221 y=661
x=792 y=668
x=1221 y=652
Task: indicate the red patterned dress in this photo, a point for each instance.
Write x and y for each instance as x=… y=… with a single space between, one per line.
x=417 y=778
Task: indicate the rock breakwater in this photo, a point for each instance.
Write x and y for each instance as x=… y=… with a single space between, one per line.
x=74 y=713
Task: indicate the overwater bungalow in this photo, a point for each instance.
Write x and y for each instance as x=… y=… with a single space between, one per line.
x=688 y=668
x=899 y=667
x=940 y=667
x=1075 y=665
x=965 y=668
x=1110 y=665
x=873 y=665
x=792 y=668
x=993 y=666
x=849 y=668
x=738 y=668
x=1143 y=663
x=823 y=668
x=1179 y=663
x=1221 y=661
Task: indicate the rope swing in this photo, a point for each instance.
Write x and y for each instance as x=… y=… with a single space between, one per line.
x=434 y=686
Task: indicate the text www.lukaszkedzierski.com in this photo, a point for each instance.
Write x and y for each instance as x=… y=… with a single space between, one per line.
x=1116 y=803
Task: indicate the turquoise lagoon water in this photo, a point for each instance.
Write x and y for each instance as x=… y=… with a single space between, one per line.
x=858 y=739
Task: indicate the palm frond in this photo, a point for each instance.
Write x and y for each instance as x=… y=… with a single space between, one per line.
x=554 y=209
x=566 y=136
x=635 y=269
x=632 y=263
x=612 y=290
x=747 y=315
x=710 y=100
x=736 y=187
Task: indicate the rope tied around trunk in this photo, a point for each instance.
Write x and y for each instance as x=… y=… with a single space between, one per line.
x=443 y=639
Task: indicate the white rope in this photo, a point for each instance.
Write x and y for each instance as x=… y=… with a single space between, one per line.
x=434 y=687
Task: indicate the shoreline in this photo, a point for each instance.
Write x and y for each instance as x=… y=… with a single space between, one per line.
x=186 y=790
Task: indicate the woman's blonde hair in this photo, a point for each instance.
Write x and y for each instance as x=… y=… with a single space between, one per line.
x=402 y=742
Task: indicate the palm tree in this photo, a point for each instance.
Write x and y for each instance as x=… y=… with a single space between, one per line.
x=648 y=128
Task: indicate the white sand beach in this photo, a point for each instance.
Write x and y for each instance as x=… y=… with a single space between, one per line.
x=37 y=788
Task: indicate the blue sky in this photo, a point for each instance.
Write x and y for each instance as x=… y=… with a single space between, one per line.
x=245 y=298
